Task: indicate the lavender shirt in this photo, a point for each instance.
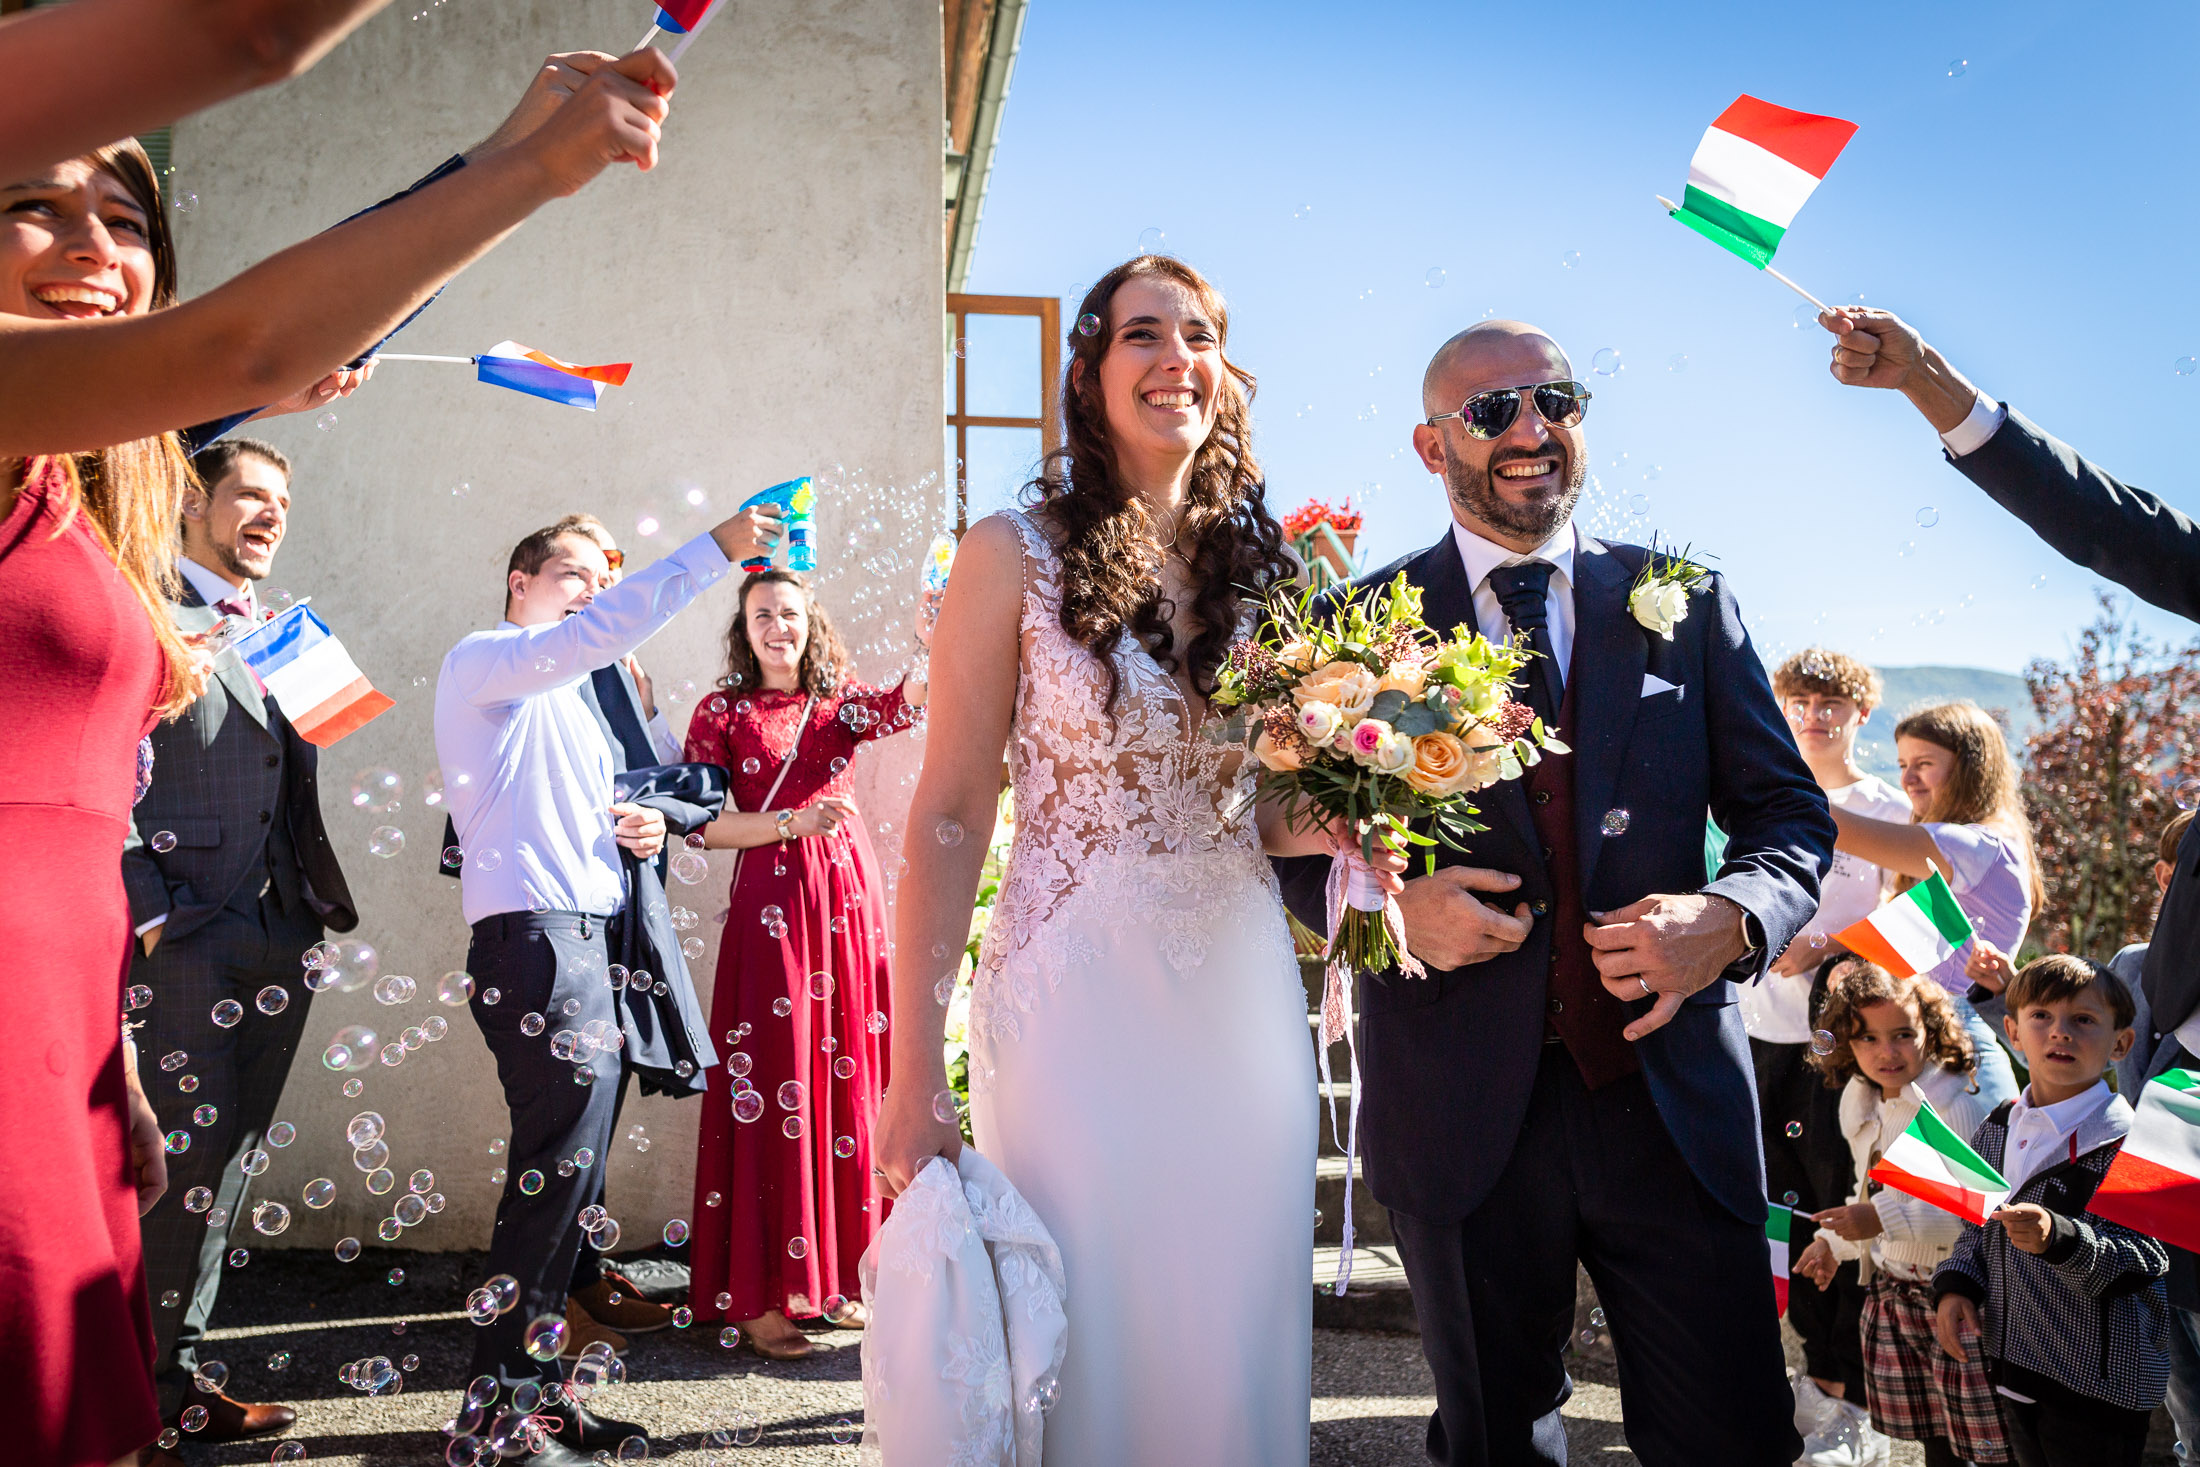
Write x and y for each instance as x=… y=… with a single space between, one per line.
x=1990 y=885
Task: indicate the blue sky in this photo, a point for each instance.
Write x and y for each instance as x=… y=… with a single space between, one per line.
x=2035 y=215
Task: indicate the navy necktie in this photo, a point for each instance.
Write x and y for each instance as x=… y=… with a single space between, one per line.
x=1522 y=590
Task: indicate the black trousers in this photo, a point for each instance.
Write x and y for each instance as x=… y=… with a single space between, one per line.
x=1808 y=1166
x=2060 y=1428
x=239 y=1072
x=536 y=963
x=1683 y=1283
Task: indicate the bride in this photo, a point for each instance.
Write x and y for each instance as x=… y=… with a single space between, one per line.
x=1141 y=1068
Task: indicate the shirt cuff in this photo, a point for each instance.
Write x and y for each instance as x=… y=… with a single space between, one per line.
x=702 y=558
x=1983 y=422
x=145 y=927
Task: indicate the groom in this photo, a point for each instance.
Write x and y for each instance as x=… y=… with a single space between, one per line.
x=1571 y=1080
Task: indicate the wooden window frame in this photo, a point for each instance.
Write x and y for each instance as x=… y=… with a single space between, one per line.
x=1048 y=310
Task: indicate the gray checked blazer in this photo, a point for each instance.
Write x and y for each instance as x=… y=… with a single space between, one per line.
x=218 y=770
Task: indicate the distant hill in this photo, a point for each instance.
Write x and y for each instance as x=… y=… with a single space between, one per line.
x=1909 y=687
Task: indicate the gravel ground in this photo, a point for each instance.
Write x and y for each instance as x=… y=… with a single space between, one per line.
x=1372 y=1392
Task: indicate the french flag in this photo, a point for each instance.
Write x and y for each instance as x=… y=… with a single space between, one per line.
x=538 y=374
x=311 y=677
x=681 y=16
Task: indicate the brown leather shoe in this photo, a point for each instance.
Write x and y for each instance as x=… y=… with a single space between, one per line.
x=581 y=1331
x=615 y=1308
x=229 y=1419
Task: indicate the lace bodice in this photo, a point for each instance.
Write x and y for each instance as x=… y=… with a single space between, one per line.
x=1137 y=819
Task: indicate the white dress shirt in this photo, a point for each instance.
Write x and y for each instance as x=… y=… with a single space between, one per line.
x=2039 y=1135
x=1482 y=556
x=526 y=767
x=213 y=587
x=1983 y=422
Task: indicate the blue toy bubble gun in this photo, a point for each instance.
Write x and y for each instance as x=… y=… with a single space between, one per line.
x=797 y=501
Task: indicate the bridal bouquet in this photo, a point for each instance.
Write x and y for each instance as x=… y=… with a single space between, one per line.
x=1366 y=716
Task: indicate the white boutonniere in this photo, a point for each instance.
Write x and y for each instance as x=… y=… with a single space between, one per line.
x=1659 y=600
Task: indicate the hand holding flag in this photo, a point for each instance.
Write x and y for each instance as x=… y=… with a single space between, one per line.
x=1934 y=1164
x=1752 y=172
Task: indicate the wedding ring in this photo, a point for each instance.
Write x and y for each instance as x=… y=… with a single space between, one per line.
x=1646 y=991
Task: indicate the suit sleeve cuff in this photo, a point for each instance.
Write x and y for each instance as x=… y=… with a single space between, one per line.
x=1970 y=435
x=144 y=927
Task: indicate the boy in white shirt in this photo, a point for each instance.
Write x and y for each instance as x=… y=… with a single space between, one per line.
x=1826 y=696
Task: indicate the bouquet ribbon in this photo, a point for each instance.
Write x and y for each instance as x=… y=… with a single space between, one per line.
x=1352 y=883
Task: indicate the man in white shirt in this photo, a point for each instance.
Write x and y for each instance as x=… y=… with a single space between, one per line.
x=231 y=878
x=527 y=770
x=1827 y=696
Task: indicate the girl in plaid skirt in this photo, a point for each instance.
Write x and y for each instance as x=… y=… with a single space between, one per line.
x=1897 y=1044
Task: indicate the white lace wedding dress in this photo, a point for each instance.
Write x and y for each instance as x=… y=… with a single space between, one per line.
x=1141 y=1066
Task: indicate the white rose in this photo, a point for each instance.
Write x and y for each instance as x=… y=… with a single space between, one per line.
x=1319 y=722
x=1660 y=606
x=1381 y=747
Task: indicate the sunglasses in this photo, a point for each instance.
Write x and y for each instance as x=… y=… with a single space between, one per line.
x=1487 y=414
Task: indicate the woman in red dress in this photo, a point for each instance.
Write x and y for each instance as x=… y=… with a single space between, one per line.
x=89 y=659
x=784 y=1198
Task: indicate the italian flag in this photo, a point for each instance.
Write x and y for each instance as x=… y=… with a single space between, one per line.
x=1752 y=171
x=1915 y=933
x=2153 y=1186
x=1934 y=1164
x=1778 y=1221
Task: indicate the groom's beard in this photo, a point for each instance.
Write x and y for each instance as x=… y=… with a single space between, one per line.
x=1536 y=520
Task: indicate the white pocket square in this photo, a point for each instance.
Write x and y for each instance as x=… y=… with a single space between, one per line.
x=1652 y=685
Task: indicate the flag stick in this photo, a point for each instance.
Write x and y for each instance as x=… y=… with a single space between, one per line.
x=695 y=30
x=654 y=33
x=1673 y=208
x=406 y=356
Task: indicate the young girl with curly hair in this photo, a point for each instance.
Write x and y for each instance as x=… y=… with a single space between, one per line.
x=1898 y=1044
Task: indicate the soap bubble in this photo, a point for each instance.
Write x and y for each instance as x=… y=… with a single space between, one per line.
x=371 y=1157
x=1958 y=68
x=254 y=1162
x=1928 y=517
x=530 y=1181
x=395 y=988
x=844 y=1068
x=454 y=988
x=782 y=1006
x=347 y=1249
x=318 y=1193
x=1794 y=1129
x=690 y=867
x=239 y=1257
x=531 y=1024
x=174 y=1060
x=486 y=859
x=193 y=1418
x=198 y=1199
x=1088 y=324
x=544 y=1337
x=205 y=1115
x=1434 y=279
x=792 y=1128
x=2185 y=366
x=325 y=422
x=843 y=1431
x=2187 y=794
x=949 y=832
x=876 y=1022
x=729 y=1337
x=943 y=1107
x=844 y=1147
x=1821 y=1042
x=272 y=999
x=1150 y=241
x=748 y=1105
x=377 y=789
x=791 y=1095
x=135 y=997
x=270 y=1218
x=281 y=1134
x=1606 y=362
x=798 y=1248
x=676 y=1233
x=163 y=841
x=1615 y=822
x=1678 y=362
x=364 y=1129
x=176 y=1142
x=1571 y=259
x=228 y=1013
x=386 y=841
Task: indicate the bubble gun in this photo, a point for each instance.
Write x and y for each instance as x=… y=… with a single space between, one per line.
x=797 y=500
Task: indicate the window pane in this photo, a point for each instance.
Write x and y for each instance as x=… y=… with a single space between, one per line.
x=1002 y=461
x=1001 y=356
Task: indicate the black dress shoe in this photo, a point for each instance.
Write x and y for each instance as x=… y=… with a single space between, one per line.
x=555 y=1453
x=585 y=1431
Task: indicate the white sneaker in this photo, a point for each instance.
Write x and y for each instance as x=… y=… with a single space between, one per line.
x=1846 y=1440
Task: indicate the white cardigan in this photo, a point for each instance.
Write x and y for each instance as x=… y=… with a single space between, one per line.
x=1914 y=1235
x=963 y=1352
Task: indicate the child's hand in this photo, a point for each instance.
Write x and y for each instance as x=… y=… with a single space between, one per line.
x=1956 y=1318
x=1988 y=967
x=1817 y=1263
x=2028 y=1225
x=1855 y=1222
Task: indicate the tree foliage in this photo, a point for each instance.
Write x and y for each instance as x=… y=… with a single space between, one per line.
x=2114 y=758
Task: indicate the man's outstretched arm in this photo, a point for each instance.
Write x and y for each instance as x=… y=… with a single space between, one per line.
x=2087 y=514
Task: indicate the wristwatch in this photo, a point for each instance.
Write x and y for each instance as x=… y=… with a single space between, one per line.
x=781 y=822
x=1753 y=936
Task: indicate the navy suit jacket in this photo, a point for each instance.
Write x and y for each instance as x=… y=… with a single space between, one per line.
x=1448 y=1061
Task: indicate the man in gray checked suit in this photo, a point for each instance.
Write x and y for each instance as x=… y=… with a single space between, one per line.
x=231 y=879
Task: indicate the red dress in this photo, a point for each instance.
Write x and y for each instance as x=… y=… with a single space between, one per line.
x=80 y=671
x=784 y=1198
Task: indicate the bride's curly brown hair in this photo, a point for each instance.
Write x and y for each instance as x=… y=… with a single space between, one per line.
x=1111 y=554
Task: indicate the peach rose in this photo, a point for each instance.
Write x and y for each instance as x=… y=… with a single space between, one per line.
x=1409 y=678
x=1346 y=686
x=1439 y=765
x=1485 y=756
x=1276 y=756
x=1296 y=656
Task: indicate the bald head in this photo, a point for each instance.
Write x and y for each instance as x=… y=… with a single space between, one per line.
x=1490 y=354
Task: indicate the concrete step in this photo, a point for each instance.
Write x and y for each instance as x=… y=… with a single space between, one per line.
x=1377 y=1297
x=1371 y=1220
